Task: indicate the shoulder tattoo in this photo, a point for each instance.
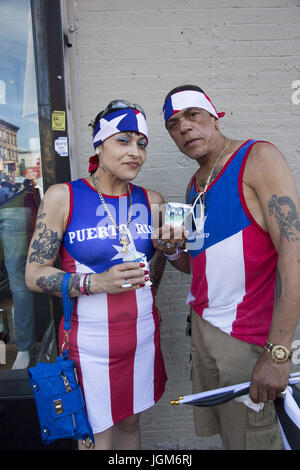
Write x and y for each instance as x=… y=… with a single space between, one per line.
x=285 y=212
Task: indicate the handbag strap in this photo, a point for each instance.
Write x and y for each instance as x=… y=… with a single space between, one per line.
x=68 y=304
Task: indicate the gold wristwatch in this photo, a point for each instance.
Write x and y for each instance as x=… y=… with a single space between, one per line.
x=279 y=352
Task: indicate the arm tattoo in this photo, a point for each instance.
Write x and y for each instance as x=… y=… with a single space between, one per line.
x=157 y=270
x=278 y=288
x=52 y=284
x=45 y=245
x=41 y=214
x=285 y=212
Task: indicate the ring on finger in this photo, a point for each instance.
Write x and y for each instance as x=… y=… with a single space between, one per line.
x=170 y=245
x=161 y=242
x=126 y=284
x=282 y=394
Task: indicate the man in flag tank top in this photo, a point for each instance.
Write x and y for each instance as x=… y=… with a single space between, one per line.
x=101 y=227
x=243 y=252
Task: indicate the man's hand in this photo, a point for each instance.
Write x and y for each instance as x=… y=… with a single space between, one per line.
x=268 y=379
x=167 y=238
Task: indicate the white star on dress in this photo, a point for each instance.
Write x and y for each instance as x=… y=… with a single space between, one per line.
x=119 y=255
x=131 y=253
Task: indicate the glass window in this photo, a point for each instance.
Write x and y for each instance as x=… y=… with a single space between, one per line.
x=21 y=185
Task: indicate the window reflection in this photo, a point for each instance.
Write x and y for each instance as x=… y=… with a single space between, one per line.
x=20 y=180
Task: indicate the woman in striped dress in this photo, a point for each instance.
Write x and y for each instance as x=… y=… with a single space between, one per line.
x=101 y=226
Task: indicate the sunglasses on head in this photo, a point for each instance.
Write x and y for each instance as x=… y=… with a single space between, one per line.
x=121 y=104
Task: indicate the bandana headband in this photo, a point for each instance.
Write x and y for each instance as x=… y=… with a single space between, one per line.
x=123 y=120
x=188 y=99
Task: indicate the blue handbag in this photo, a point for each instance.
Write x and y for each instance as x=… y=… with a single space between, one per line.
x=58 y=396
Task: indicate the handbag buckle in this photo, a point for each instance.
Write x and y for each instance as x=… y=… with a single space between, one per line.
x=65 y=344
x=58 y=407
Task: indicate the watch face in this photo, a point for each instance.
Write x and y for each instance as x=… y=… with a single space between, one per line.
x=280 y=353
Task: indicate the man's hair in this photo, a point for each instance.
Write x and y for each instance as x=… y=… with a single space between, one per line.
x=182 y=88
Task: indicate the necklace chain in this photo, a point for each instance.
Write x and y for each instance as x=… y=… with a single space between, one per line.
x=123 y=238
x=211 y=173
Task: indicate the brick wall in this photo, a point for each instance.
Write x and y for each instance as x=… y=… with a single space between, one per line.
x=245 y=55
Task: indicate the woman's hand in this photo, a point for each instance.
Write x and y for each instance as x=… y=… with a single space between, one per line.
x=130 y=274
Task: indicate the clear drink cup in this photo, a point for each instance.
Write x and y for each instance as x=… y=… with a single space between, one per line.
x=176 y=213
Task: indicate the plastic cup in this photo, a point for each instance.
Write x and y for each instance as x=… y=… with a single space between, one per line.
x=176 y=213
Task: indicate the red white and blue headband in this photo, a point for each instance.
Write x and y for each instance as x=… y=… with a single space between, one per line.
x=122 y=120
x=188 y=99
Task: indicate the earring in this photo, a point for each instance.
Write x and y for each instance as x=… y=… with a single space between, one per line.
x=97 y=151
